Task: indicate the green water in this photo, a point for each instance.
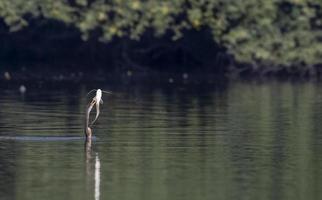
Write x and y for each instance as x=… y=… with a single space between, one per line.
x=233 y=141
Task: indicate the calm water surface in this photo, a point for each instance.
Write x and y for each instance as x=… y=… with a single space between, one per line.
x=234 y=141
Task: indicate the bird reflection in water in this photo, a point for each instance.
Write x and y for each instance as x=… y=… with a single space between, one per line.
x=93 y=169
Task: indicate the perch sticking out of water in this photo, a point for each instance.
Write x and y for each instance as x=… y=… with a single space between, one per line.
x=97 y=100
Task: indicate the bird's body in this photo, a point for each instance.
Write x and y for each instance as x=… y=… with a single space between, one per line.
x=88 y=130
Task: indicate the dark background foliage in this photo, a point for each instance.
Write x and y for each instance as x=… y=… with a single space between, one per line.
x=261 y=36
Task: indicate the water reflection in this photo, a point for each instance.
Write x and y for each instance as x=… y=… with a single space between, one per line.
x=246 y=141
x=97 y=177
x=93 y=168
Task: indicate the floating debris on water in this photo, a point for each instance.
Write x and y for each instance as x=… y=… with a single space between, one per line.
x=185 y=76
x=61 y=77
x=7 y=76
x=22 y=89
x=129 y=73
x=171 y=80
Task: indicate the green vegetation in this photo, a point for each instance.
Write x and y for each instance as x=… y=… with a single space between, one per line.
x=270 y=33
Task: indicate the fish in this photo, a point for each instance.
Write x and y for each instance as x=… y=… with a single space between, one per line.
x=97 y=101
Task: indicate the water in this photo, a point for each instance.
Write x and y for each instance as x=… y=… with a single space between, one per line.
x=234 y=141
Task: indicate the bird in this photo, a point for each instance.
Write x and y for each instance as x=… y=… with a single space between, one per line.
x=97 y=100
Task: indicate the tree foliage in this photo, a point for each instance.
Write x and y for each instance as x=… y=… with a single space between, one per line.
x=261 y=32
